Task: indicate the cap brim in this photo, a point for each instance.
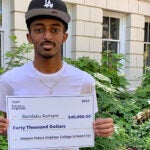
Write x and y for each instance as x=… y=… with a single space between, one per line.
x=48 y=12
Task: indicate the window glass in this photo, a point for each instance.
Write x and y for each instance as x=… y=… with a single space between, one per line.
x=111 y=34
x=147 y=49
x=149 y=32
x=146 y=33
x=111 y=46
x=146 y=46
x=114 y=28
x=106 y=27
x=111 y=28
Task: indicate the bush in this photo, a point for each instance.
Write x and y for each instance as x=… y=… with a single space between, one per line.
x=17 y=56
x=113 y=98
x=116 y=102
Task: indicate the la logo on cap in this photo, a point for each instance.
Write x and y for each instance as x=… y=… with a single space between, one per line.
x=48 y=4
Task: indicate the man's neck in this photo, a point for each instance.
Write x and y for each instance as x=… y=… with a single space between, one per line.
x=48 y=66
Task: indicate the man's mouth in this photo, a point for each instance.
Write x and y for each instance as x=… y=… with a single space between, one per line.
x=47 y=45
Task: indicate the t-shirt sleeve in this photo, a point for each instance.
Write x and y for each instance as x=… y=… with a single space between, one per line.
x=5 y=90
x=88 y=87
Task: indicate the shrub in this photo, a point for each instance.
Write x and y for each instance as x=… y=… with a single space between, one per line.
x=17 y=56
x=112 y=97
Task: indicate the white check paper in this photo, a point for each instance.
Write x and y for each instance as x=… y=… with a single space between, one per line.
x=50 y=122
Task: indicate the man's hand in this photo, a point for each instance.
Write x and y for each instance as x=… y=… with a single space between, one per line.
x=3 y=125
x=104 y=127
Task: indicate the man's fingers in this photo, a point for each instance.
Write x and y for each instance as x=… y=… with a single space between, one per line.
x=3 y=124
x=104 y=127
x=103 y=121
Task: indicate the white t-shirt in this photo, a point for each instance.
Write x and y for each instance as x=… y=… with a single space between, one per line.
x=27 y=81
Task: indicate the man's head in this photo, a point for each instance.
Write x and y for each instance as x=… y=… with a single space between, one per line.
x=53 y=9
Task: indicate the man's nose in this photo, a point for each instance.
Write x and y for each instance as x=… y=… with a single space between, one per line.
x=47 y=34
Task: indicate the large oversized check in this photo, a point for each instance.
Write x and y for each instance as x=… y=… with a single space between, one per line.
x=50 y=122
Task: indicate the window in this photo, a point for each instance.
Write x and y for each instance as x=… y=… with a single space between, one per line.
x=113 y=38
x=114 y=25
x=147 y=45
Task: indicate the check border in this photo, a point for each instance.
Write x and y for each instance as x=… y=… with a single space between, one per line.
x=15 y=129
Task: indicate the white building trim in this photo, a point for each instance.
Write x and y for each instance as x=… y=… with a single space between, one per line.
x=5 y=28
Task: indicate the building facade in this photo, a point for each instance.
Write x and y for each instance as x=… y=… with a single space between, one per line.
x=122 y=26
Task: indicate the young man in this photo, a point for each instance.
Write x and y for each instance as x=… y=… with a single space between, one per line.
x=47 y=22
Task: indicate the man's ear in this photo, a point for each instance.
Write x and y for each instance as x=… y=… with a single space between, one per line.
x=29 y=38
x=65 y=37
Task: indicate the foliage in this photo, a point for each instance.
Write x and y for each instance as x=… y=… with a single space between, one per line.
x=112 y=97
x=116 y=102
x=3 y=141
x=112 y=67
x=17 y=56
x=142 y=92
x=142 y=118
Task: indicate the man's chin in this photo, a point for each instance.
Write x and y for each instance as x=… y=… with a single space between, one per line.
x=48 y=56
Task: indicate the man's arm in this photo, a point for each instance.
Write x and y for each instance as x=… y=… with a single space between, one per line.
x=3 y=125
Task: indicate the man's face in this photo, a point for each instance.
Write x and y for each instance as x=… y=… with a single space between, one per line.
x=47 y=36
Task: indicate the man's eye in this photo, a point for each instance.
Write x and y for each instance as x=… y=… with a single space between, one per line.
x=55 y=30
x=39 y=30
